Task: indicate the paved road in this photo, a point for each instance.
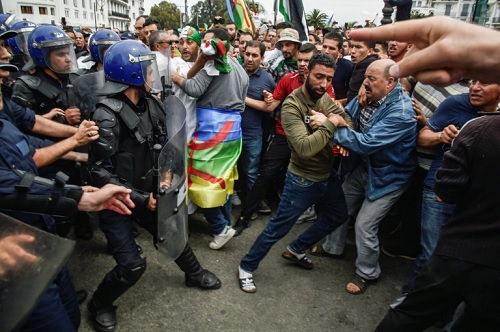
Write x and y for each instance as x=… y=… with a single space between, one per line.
x=288 y=298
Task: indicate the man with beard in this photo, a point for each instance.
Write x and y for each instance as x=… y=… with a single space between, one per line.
x=277 y=155
x=310 y=119
x=381 y=162
x=289 y=45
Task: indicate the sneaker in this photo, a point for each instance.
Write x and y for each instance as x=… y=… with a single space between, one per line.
x=308 y=215
x=264 y=207
x=220 y=240
x=235 y=199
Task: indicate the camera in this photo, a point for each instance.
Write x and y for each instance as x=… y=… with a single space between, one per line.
x=219 y=20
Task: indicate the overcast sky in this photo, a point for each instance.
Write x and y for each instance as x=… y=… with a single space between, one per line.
x=342 y=10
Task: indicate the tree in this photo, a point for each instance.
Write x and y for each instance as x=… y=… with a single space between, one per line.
x=206 y=10
x=167 y=14
x=316 y=18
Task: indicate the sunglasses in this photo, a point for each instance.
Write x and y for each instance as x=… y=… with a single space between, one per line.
x=172 y=42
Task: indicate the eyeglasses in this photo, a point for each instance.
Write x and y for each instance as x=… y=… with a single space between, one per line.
x=174 y=42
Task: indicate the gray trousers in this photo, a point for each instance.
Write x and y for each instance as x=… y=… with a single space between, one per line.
x=366 y=227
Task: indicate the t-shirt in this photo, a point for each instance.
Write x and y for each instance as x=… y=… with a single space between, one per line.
x=455 y=110
x=251 y=118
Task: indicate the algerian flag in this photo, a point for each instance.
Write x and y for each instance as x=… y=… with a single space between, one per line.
x=293 y=11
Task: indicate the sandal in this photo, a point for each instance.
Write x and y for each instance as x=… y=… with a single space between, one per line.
x=361 y=283
x=318 y=250
x=304 y=262
x=246 y=284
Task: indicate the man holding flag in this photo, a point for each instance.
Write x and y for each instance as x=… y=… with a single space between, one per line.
x=221 y=87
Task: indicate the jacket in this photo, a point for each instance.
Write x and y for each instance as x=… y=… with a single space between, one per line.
x=388 y=144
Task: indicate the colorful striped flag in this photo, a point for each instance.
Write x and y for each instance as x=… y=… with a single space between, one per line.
x=212 y=156
x=329 y=23
x=293 y=11
x=239 y=13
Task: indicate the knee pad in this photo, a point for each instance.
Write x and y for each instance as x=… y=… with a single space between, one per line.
x=133 y=271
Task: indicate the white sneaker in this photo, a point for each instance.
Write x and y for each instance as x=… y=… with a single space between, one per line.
x=308 y=215
x=220 y=240
x=235 y=199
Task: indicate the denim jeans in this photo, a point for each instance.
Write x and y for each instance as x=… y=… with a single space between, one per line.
x=434 y=216
x=298 y=195
x=218 y=217
x=367 y=221
x=250 y=159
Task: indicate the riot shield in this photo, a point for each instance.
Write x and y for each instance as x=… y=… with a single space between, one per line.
x=86 y=90
x=172 y=230
x=22 y=284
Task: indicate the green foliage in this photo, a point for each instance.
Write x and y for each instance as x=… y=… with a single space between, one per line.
x=167 y=14
x=316 y=18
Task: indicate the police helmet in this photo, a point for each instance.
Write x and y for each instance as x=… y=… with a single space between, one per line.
x=130 y=62
x=19 y=44
x=7 y=21
x=50 y=47
x=100 y=41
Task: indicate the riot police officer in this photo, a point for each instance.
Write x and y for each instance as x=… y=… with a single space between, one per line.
x=99 y=42
x=48 y=92
x=131 y=120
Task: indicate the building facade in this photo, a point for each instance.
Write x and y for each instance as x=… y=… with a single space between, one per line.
x=488 y=11
x=119 y=14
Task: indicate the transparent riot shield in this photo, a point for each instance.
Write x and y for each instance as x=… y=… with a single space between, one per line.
x=172 y=230
x=38 y=257
x=86 y=89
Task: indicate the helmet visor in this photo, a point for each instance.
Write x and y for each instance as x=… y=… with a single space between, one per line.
x=61 y=58
x=22 y=40
x=149 y=68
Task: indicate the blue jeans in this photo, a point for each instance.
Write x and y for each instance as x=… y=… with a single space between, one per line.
x=298 y=195
x=250 y=159
x=434 y=216
x=218 y=217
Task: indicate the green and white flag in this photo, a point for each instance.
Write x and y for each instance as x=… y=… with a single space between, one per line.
x=293 y=12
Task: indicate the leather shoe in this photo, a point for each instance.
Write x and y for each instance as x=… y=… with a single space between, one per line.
x=204 y=280
x=103 y=319
x=81 y=296
x=241 y=224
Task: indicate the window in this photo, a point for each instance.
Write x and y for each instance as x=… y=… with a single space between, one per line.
x=66 y=12
x=42 y=10
x=75 y=3
x=84 y=15
x=65 y=2
x=447 y=10
x=52 y=11
x=91 y=15
x=26 y=10
x=465 y=9
x=133 y=16
x=76 y=13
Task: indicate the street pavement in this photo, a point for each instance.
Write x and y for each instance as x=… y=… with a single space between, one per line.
x=288 y=297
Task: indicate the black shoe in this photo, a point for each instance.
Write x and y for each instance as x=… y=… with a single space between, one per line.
x=84 y=231
x=400 y=252
x=81 y=296
x=241 y=224
x=264 y=207
x=103 y=319
x=205 y=280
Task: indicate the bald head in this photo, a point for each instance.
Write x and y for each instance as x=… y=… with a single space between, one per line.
x=378 y=83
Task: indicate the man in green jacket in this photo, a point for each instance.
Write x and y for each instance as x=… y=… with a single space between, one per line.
x=310 y=118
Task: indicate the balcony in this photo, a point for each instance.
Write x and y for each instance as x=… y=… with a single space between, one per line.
x=117 y=14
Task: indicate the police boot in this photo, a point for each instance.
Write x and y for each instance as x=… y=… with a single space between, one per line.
x=114 y=284
x=242 y=223
x=195 y=275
